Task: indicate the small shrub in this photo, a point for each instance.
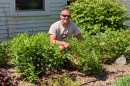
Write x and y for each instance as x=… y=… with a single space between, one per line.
x=87 y=54
x=127 y=54
x=113 y=45
x=95 y=50
x=33 y=55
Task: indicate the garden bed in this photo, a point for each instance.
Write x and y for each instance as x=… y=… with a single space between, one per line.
x=112 y=72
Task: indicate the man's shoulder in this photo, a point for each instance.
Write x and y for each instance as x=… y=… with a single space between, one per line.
x=72 y=24
x=56 y=23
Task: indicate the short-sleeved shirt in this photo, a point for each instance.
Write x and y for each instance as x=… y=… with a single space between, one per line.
x=58 y=30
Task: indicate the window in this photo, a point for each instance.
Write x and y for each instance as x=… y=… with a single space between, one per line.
x=30 y=7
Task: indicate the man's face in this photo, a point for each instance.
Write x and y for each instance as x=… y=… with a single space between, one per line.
x=65 y=16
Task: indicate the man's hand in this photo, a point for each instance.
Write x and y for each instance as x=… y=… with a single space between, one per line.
x=64 y=46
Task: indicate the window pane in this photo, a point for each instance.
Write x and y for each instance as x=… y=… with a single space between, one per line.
x=30 y=4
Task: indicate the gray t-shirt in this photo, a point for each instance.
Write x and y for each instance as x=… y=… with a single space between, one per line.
x=61 y=32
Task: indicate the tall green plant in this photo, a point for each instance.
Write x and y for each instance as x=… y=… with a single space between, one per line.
x=33 y=55
x=96 y=16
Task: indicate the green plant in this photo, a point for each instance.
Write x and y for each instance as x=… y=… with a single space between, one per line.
x=60 y=80
x=113 y=45
x=127 y=54
x=33 y=55
x=97 y=49
x=95 y=16
x=124 y=81
x=3 y=55
x=87 y=54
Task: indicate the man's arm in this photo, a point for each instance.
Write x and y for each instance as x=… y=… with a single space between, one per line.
x=79 y=36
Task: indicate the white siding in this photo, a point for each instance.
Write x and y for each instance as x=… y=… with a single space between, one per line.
x=128 y=6
x=31 y=24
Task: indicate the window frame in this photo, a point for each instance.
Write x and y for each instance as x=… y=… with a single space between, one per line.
x=29 y=13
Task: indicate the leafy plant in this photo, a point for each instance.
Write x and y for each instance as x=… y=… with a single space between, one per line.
x=95 y=16
x=85 y=52
x=97 y=49
x=127 y=54
x=113 y=45
x=33 y=55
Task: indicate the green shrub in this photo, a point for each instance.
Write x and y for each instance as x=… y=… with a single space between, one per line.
x=127 y=53
x=126 y=35
x=113 y=45
x=86 y=51
x=125 y=81
x=95 y=50
x=60 y=80
x=96 y=16
x=33 y=55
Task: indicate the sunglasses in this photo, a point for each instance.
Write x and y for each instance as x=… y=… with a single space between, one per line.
x=66 y=16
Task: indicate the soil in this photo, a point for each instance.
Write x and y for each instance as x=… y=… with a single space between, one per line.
x=112 y=72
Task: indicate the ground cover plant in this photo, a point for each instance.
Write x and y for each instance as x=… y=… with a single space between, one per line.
x=60 y=80
x=124 y=81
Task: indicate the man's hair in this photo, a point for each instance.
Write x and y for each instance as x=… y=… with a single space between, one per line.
x=65 y=9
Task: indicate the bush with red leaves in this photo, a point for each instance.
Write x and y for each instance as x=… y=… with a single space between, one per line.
x=5 y=79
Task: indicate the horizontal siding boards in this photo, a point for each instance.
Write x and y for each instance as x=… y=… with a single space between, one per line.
x=57 y=6
x=127 y=3
x=4 y=36
x=29 y=24
x=128 y=6
x=4 y=7
x=128 y=23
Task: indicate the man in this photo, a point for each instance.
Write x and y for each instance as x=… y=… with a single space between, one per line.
x=63 y=29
